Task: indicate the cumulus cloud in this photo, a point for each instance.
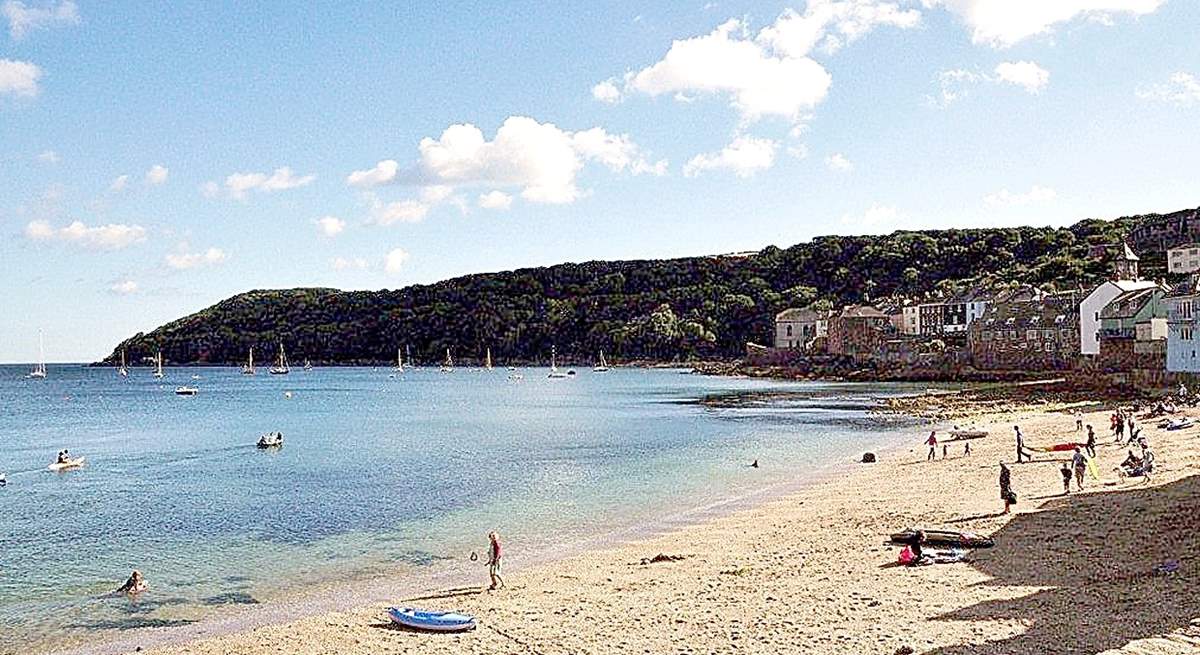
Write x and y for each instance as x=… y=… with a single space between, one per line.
x=19 y=78
x=123 y=287
x=1025 y=74
x=1183 y=89
x=185 y=259
x=240 y=184
x=744 y=156
x=838 y=162
x=23 y=18
x=113 y=236
x=495 y=200
x=393 y=263
x=157 y=175
x=768 y=74
x=541 y=160
x=1006 y=198
x=119 y=183
x=1002 y=23
x=331 y=226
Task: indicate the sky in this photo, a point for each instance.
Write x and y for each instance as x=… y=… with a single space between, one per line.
x=156 y=158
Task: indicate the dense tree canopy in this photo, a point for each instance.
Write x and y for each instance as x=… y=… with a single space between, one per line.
x=662 y=310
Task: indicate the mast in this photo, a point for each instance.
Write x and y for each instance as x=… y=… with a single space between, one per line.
x=488 y=360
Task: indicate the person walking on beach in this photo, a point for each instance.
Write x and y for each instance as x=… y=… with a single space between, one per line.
x=1021 y=454
x=1078 y=421
x=932 y=443
x=494 y=552
x=1091 y=442
x=1079 y=463
x=1066 y=476
x=967 y=448
x=1006 y=492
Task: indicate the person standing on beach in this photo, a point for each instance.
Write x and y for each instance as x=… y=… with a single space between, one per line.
x=494 y=552
x=932 y=443
x=1091 y=442
x=1079 y=463
x=1021 y=454
x=1006 y=492
x=1066 y=476
x=1078 y=421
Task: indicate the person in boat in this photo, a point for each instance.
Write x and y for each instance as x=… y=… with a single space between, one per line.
x=64 y=456
x=494 y=561
x=135 y=585
x=1006 y=492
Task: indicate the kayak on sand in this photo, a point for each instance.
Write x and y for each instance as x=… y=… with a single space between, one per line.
x=432 y=621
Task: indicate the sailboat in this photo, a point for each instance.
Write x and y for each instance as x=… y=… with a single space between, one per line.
x=281 y=366
x=39 y=369
x=123 y=371
x=448 y=365
x=554 y=372
x=487 y=361
x=158 y=369
x=399 y=362
x=602 y=366
x=308 y=365
x=248 y=368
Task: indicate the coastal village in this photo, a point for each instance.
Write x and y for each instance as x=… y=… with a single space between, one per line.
x=1126 y=331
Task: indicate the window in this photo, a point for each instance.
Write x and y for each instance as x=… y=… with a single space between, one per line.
x=1012 y=334
x=789 y=330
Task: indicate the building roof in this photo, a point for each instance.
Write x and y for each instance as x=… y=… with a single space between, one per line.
x=1060 y=310
x=861 y=311
x=1128 y=254
x=1130 y=303
x=802 y=315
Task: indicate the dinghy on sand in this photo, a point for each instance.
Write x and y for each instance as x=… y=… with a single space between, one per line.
x=431 y=621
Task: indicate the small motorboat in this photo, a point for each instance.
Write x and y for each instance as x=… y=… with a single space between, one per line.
x=271 y=440
x=431 y=621
x=68 y=465
x=186 y=391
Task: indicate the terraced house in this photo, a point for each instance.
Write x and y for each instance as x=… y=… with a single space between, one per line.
x=1027 y=333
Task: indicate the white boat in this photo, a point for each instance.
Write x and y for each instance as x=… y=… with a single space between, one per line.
x=308 y=365
x=158 y=369
x=448 y=365
x=186 y=391
x=281 y=365
x=554 y=372
x=68 y=465
x=39 y=370
x=399 y=362
x=602 y=366
x=248 y=369
x=270 y=440
x=123 y=371
x=487 y=360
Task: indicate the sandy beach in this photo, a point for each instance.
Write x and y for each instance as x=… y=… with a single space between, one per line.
x=810 y=572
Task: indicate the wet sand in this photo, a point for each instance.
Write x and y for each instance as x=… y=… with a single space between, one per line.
x=809 y=572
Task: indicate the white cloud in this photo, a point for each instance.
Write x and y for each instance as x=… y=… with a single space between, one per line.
x=1026 y=74
x=876 y=218
x=607 y=91
x=393 y=263
x=113 y=236
x=954 y=85
x=1002 y=23
x=1005 y=198
x=838 y=162
x=124 y=287
x=350 y=264
x=48 y=157
x=495 y=200
x=1182 y=89
x=331 y=226
x=745 y=156
x=401 y=211
x=383 y=173
x=240 y=184
x=22 y=18
x=157 y=175
x=185 y=259
x=119 y=184
x=19 y=78
x=828 y=25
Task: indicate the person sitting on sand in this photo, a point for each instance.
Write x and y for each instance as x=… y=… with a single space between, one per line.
x=932 y=443
x=135 y=585
x=1134 y=467
x=494 y=553
x=1006 y=492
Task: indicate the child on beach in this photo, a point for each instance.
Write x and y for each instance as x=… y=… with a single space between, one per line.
x=494 y=552
x=1079 y=463
x=1066 y=476
x=932 y=443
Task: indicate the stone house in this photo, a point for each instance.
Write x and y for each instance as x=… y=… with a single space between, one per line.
x=858 y=331
x=1039 y=333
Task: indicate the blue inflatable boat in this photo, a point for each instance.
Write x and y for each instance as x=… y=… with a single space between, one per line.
x=432 y=621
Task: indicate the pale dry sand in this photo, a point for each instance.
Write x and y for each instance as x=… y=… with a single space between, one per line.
x=810 y=573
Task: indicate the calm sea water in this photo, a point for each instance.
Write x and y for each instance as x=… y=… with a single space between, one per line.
x=378 y=474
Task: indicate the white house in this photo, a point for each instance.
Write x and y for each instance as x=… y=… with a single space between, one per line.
x=1184 y=259
x=796 y=328
x=1125 y=270
x=1183 y=328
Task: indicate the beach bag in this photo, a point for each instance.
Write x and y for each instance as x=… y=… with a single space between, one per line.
x=1011 y=498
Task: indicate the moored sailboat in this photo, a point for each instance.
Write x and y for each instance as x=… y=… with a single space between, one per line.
x=39 y=370
x=281 y=364
x=600 y=366
x=448 y=365
x=158 y=366
x=122 y=370
x=554 y=372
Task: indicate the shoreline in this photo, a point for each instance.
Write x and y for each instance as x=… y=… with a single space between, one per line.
x=333 y=598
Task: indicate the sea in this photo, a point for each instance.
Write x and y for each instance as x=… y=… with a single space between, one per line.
x=383 y=475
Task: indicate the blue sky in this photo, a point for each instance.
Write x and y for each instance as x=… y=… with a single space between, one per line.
x=156 y=158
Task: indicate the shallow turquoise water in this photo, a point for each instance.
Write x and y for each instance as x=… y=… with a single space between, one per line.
x=377 y=474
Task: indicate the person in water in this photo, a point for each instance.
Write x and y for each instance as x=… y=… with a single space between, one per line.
x=494 y=553
x=135 y=585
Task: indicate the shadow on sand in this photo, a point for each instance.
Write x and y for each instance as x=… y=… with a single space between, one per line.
x=1096 y=554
